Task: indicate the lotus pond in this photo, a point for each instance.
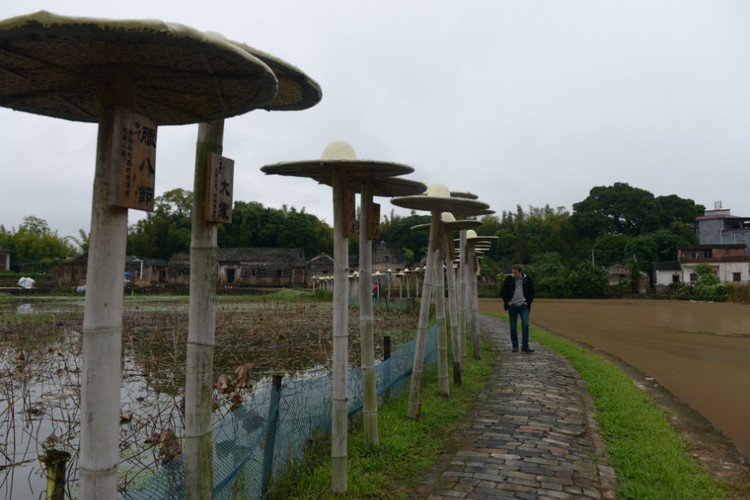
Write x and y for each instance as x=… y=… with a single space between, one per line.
x=40 y=365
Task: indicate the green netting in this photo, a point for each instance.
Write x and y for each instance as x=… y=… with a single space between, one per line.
x=245 y=440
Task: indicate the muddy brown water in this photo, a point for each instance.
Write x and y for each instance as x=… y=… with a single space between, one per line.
x=699 y=351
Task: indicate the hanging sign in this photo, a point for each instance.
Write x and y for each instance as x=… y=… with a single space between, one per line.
x=220 y=186
x=133 y=169
x=350 y=211
x=373 y=222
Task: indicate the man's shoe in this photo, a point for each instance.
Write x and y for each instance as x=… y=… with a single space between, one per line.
x=515 y=349
x=529 y=350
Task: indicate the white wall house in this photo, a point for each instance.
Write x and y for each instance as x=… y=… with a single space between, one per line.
x=729 y=262
x=4 y=259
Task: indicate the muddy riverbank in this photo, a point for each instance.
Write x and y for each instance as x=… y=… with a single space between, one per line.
x=699 y=351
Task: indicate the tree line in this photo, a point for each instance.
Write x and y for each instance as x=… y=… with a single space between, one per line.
x=565 y=252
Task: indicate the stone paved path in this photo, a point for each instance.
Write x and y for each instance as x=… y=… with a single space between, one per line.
x=531 y=435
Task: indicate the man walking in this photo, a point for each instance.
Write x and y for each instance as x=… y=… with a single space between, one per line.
x=518 y=294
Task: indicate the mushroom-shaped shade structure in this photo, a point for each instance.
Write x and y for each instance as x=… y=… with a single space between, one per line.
x=438 y=198
x=338 y=155
x=296 y=90
x=340 y=167
x=473 y=239
x=385 y=186
x=450 y=223
x=57 y=65
x=464 y=194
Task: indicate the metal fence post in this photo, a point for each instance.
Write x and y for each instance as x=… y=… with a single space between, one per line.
x=273 y=421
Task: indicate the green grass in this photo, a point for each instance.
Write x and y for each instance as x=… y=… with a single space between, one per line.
x=408 y=448
x=651 y=459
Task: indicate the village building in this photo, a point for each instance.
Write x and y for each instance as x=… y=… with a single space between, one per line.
x=387 y=262
x=5 y=259
x=722 y=244
x=730 y=262
x=145 y=271
x=70 y=273
x=387 y=256
x=619 y=274
x=320 y=266
x=253 y=266
x=720 y=227
x=250 y=267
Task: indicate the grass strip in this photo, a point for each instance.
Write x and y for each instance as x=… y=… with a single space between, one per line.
x=408 y=448
x=651 y=459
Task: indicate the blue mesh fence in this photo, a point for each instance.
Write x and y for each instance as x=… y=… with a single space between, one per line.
x=242 y=441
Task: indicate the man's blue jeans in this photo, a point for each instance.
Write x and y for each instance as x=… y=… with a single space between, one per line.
x=513 y=312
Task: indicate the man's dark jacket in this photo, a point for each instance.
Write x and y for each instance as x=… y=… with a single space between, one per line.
x=509 y=286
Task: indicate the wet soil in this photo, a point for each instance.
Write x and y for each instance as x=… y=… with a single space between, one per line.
x=692 y=359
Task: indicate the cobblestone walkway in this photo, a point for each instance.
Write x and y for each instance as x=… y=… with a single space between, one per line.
x=531 y=434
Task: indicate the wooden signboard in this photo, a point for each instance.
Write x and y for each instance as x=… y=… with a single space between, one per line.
x=350 y=210
x=373 y=222
x=220 y=187
x=133 y=169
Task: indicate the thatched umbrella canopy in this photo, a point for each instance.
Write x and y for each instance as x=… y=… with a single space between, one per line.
x=58 y=65
x=340 y=167
x=437 y=199
x=87 y=70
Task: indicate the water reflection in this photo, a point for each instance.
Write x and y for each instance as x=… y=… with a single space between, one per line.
x=25 y=308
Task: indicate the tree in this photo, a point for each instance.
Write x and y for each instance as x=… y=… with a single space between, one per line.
x=588 y=280
x=610 y=248
x=644 y=250
x=82 y=242
x=397 y=231
x=166 y=230
x=35 y=242
x=617 y=209
x=254 y=225
x=6 y=238
x=550 y=275
x=681 y=210
x=705 y=275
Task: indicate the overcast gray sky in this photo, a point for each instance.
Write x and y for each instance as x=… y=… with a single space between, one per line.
x=520 y=102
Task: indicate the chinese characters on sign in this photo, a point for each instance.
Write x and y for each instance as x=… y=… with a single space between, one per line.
x=220 y=189
x=133 y=161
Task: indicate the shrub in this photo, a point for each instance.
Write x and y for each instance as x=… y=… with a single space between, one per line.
x=714 y=293
x=677 y=290
x=737 y=292
x=323 y=294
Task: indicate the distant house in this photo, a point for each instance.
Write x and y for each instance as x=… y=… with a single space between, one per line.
x=262 y=266
x=667 y=272
x=253 y=266
x=729 y=262
x=320 y=265
x=387 y=256
x=70 y=272
x=5 y=259
x=723 y=244
x=719 y=227
x=146 y=271
x=616 y=272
